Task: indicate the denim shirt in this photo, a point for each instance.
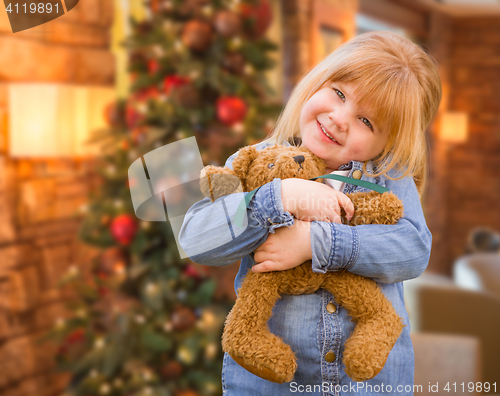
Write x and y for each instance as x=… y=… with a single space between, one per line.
x=389 y=254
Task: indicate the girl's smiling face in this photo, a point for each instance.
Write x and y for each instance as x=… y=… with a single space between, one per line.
x=334 y=109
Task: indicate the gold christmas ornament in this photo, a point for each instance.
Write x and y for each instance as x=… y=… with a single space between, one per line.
x=197 y=35
x=227 y=23
x=185 y=355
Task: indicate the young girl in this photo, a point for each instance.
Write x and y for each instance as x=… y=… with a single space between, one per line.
x=364 y=110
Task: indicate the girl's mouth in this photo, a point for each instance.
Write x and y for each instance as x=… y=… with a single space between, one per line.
x=325 y=133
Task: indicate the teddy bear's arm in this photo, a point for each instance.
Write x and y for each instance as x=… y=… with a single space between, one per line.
x=375 y=208
x=216 y=181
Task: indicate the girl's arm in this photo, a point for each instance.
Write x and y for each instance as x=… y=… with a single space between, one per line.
x=385 y=253
x=209 y=235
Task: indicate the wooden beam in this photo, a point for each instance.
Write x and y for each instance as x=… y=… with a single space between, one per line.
x=397 y=13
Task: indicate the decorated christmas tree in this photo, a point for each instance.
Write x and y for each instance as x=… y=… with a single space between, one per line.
x=144 y=321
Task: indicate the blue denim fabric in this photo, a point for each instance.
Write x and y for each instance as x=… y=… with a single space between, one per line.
x=387 y=254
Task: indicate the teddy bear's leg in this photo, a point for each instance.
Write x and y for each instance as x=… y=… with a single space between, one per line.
x=247 y=337
x=378 y=326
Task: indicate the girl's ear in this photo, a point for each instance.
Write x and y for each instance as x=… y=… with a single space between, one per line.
x=243 y=160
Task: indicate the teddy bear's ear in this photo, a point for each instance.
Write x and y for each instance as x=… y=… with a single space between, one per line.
x=243 y=160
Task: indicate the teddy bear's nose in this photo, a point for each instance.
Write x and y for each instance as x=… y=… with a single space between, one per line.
x=299 y=159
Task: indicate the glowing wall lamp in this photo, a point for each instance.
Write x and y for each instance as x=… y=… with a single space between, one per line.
x=55 y=120
x=454 y=127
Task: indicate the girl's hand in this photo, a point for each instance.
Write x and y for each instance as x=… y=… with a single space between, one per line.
x=309 y=200
x=287 y=248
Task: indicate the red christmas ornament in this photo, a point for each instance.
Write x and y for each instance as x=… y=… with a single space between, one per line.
x=113 y=115
x=171 y=370
x=173 y=81
x=123 y=229
x=187 y=392
x=231 y=109
x=260 y=16
x=144 y=94
x=73 y=345
x=75 y=336
x=138 y=135
x=153 y=66
x=192 y=272
x=103 y=292
x=155 y=5
x=183 y=318
x=132 y=116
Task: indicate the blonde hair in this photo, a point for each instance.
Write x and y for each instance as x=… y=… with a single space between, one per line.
x=394 y=77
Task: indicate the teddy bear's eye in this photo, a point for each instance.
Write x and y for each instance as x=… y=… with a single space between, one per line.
x=270 y=166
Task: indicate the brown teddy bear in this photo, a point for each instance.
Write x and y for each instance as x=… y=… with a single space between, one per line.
x=247 y=338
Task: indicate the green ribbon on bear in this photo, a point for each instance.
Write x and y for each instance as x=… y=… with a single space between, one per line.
x=241 y=211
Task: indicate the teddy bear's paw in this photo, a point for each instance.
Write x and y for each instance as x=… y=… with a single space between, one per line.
x=216 y=182
x=280 y=375
x=364 y=361
x=361 y=371
x=267 y=357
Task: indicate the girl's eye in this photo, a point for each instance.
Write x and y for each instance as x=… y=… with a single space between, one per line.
x=270 y=166
x=367 y=123
x=340 y=94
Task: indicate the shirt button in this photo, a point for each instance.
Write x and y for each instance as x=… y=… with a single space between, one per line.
x=357 y=174
x=330 y=357
x=331 y=307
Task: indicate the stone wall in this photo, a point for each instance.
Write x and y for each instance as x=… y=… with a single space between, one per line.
x=473 y=168
x=40 y=199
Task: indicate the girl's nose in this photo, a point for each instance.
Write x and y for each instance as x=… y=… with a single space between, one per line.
x=339 y=120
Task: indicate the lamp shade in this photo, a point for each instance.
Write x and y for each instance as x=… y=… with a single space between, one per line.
x=454 y=127
x=55 y=120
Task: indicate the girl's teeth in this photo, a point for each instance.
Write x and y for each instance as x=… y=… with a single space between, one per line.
x=323 y=129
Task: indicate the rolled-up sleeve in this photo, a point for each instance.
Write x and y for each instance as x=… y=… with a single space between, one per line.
x=211 y=235
x=267 y=207
x=385 y=253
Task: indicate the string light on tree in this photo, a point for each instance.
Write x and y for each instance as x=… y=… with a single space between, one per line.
x=179 y=47
x=168 y=327
x=211 y=351
x=185 y=355
x=208 y=11
x=148 y=391
x=99 y=343
x=104 y=389
x=60 y=323
x=118 y=383
x=235 y=43
x=152 y=289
